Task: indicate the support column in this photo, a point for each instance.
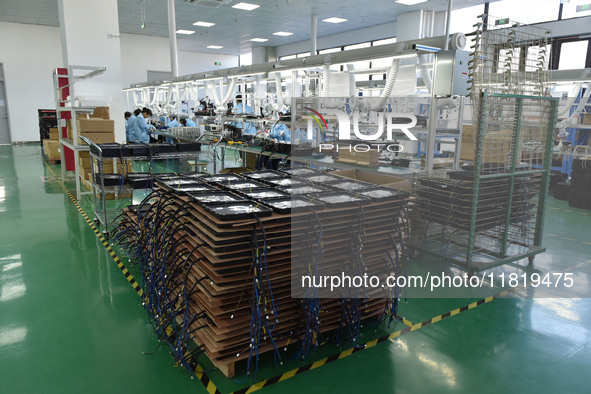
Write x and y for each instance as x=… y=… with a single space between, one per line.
x=90 y=37
x=174 y=54
x=314 y=35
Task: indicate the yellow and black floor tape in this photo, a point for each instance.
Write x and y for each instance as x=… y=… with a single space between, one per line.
x=368 y=345
x=208 y=383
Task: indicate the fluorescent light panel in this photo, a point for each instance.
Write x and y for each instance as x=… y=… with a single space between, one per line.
x=185 y=32
x=259 y=39
x=246 y=6
x=203 y=24
x=410 y=2
x=334 y=20
x=215 y=47
x=282 y=33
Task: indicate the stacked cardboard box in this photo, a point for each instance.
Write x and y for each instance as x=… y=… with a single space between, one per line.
x=381 y=179
x=53 y=134
x=497 y=145
x=52 y=149
x=369 y=158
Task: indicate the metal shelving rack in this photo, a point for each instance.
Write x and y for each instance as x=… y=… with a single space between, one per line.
x=67 y=105
x=104 y=215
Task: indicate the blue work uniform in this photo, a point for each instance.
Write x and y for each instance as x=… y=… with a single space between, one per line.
x=129 y=127
x=280 y=132
x=248 y=127
x=190 y=123
x=172 y=123
x=141 y=130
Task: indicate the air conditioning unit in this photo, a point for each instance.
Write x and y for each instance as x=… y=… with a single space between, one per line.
x=208 y=3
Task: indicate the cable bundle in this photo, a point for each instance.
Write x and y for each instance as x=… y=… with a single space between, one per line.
x=217 y=262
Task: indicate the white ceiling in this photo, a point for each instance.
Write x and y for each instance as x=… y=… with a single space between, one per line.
x=234 y=28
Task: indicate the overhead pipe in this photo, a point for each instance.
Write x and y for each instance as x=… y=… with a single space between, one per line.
x=448 y=23
x=279 y=93
x=216 y=97
x=392 y=75
x=456 y=41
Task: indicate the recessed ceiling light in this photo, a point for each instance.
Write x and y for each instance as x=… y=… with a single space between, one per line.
x=259 y=39
x=204 y=24
x=246 y=6
x=410 y=2
x=185 y=31
x=282 y=33
x=334 y=20
x=215 y=47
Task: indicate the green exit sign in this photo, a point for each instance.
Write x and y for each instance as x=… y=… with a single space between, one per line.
x=503 y=21
x=218 y=63
x=583 y=7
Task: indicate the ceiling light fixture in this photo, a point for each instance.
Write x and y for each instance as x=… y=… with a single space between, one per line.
x=185 y=31
x=282 y=33
x=334 y=20
x=215 y=47
x=203 y=24
x=410 y=2
x=259 y=39
x=246 y=6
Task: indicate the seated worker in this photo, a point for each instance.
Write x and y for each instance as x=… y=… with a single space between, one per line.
x=172 y=122
x=141 y=132
x=187 y=122
x=242 y=108
x=127 y=116
x=130 y=121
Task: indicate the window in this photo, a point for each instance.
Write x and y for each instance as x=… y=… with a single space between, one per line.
x=358 y=46
x=576 y=8
x=305 y=54
x=288 y=57
x=329 y=50
x=573 y=55
x=526 y=11
x=246 y=59
x=385 y=41
x=463 y=20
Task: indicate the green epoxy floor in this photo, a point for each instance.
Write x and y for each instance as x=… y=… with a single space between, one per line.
x=70 y=322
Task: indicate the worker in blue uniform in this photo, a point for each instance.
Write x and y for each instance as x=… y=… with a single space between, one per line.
x=187 y=122
x=141 y=132
x=244 y=109
x=130 y=122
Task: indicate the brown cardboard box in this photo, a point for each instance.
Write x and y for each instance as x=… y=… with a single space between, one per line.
x=369 y=158
x=95 y=125
x=442 y=162
x=381 y=179
x=100 y=113
x=84 y=154
x=251 y=161
x=497 y=145
x=586 y=118
x=99 y=138
x=54 y=134
x=51 y=149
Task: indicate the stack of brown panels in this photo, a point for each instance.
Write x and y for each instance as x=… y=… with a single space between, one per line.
x=231 y=245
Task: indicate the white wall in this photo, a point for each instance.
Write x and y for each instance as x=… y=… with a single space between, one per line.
x=142 y=53
x=351 y=37
x=29 y=53
x=28 y=68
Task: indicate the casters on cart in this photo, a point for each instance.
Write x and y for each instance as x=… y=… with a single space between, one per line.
x=106 y=234
x=96 y=222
